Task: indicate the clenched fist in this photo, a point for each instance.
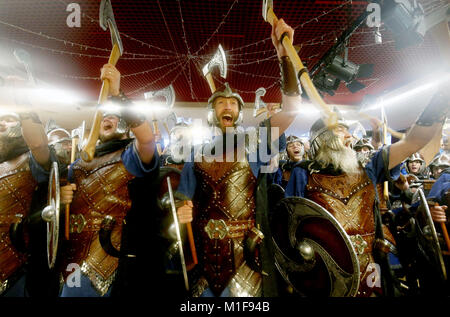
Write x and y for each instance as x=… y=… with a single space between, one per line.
x=67 y=193
x=438 y=213
x=110 y=72
x=185 y=212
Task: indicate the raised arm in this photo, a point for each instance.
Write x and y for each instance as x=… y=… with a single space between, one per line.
x=427 y=125
x=290 y=87
x=35 y=137
x=145 y=140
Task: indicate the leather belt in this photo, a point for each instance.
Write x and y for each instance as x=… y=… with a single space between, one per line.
x=221 y=229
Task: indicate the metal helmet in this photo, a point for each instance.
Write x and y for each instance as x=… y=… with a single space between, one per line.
x=122 y=126
x=225 y=93
x=318 y=128
x=54 y=130
x=293 y=138
x=362 y=143
x=16 y=131
x=415 y=157
x=442 y=160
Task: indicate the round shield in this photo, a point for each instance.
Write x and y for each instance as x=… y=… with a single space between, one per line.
x=426 y=229
x=51 y=215
x=313 y=253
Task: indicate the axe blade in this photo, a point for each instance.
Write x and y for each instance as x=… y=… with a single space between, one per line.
x=106 y=20
x=167 y=92
x=259 y=103
x=267 y=4
x=218 y=60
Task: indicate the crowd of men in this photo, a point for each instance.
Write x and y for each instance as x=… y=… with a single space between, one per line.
x=115 y=242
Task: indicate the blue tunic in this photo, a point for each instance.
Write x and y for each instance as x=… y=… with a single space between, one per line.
x=440 y=187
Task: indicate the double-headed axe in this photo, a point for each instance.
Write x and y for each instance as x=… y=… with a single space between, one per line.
x=77 y=136
x=106 y=21
x=168 y=93
x=218 y=60
x=331 y=117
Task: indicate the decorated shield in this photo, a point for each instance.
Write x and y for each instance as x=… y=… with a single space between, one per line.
x=313 y=253
x=51 y=215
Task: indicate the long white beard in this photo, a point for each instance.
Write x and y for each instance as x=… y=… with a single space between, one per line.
x=339 y=156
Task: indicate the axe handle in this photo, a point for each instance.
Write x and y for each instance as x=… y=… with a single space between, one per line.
x=67 y=211
x=192 y=243
x=156 y=132
x=305 y=80
x=210 y=80
x=445 y=233
x=87 y=154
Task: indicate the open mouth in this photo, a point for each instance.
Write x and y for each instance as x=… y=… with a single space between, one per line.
x=107 y=126
x=227 y=119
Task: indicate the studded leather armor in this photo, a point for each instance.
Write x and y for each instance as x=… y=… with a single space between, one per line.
x=224 y=212
x=102 y=190
x=16 y=190
x=350 y=199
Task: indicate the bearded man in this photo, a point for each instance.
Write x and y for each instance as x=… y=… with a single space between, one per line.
x=25 y=160
x=227 y=201
x=111 y=201
x=351 y=193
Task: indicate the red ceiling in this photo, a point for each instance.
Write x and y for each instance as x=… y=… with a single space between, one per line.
x=168 y=42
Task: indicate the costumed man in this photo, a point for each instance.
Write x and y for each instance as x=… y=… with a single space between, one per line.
x=415 y=165
x=25 y=161
x=227 y=201
x=295 y=153
x=424 y=271
x=440 y=163
x=173 y=154
x=112 y=206
x=40 y=280
x=351 y=193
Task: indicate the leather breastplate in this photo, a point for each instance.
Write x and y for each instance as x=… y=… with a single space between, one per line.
x=16 y=191
x=102 y=189
x=350 y=199
x=224 y=212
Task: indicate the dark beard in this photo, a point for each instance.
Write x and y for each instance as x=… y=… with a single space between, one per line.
x=11 y=148
x=113 y=136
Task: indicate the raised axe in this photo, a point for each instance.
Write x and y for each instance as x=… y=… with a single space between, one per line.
x=260 y=105
x=331 y=118
x=24 y=58
x=169 y=94
x=218 y=60
x=77 y=136
x=106 y=21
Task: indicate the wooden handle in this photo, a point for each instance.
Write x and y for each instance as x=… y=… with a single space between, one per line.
x=87 y=154
x=66 y=222
x=210 y=80
x=331 y=117
x=446 y=237
x=67 y=211
x=191 y=242
x=445 y=233
x=386 y=191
